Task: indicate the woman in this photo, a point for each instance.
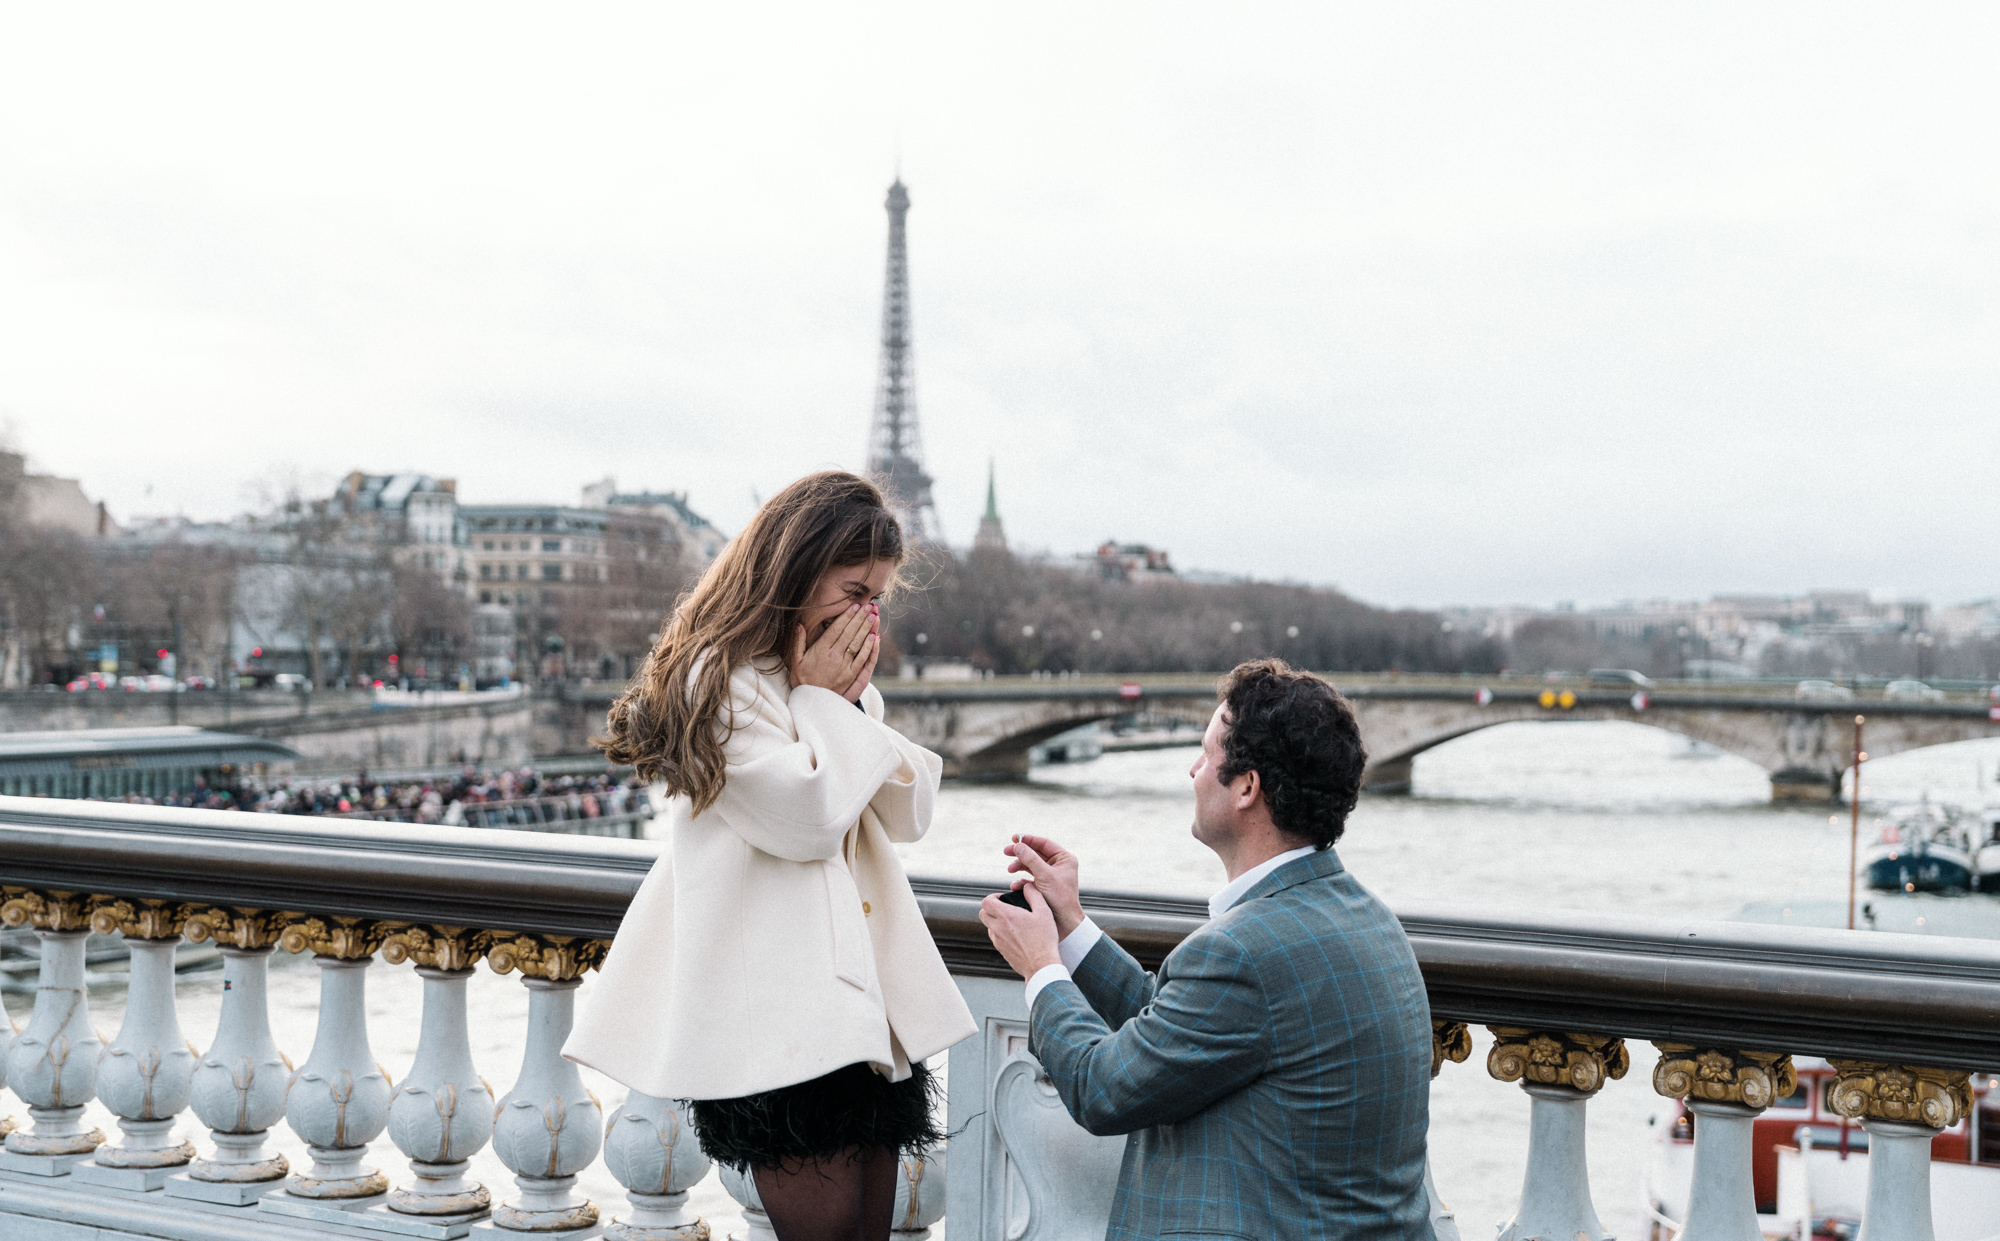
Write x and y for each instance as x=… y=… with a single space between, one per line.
x=774 y=968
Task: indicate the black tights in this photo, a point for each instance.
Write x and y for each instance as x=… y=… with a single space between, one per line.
x=850 y=1197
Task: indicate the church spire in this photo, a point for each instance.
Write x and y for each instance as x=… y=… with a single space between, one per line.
x=990 y=537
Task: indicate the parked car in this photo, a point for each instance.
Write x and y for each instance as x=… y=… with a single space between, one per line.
x=1822 y=691
x=89 y=680
x=199 y=683
x=1911 y=691
x=1620 y=678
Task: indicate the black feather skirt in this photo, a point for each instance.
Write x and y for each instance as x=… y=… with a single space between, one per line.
x=850 y=1107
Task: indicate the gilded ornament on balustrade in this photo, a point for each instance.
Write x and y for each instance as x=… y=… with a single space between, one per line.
x=45 y=911
x=349 y=939
x=1866 y=1090
x=1450 y=1040
x=236 y=926
x=554 y=957
x=1579 y=1062
x=438 y=947
x=1754 y=1079
x=137 y=919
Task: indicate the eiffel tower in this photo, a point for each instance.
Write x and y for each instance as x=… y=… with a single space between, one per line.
x=895 y=449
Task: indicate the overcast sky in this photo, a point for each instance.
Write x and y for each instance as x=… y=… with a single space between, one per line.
x=1471 y=303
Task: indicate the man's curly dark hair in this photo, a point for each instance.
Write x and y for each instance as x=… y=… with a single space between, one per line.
x=1299 y=734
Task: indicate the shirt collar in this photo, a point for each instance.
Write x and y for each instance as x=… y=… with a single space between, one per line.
x=1233 y=890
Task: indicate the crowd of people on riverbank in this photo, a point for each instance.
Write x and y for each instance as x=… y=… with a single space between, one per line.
x=434 y=799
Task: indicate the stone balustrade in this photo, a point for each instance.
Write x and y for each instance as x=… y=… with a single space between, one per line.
x=1901 y=1021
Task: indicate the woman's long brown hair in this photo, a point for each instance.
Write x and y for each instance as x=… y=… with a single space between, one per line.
x=670 y=722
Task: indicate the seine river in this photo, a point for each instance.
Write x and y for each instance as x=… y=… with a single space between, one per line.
x=1601 y=816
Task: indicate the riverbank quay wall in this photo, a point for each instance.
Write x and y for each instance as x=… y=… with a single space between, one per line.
x=334 y=731
x=1902 y=1019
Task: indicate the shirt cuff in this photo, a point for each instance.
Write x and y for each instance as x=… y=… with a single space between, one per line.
x=1076 y=945
x=1043 y=977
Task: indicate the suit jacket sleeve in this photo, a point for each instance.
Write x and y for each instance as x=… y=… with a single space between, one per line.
x=1113 y=983
x=1203 y=1037
x=795 y=797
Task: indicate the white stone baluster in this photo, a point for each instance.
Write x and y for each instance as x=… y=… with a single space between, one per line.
x=650 y=1148
x=1450 y=1040
x=443 y=1112
x=338 y=1101
x=1559 y=1072
x=1902 y=1108
x=53 y=1063
x=239 y=1083
x=548 y=1127
x=7 y=1123
x=143 y=1077
x=1725 y=1090
x=742 y=1186
x=919 y=1194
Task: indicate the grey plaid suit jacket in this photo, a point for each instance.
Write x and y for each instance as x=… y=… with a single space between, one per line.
x=1274 y=1077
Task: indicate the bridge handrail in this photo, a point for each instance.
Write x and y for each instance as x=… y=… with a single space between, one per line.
x=1873 y=995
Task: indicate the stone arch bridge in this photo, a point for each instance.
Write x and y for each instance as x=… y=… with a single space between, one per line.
x=985 y=732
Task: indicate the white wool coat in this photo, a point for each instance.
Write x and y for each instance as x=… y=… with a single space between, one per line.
x=777 y=939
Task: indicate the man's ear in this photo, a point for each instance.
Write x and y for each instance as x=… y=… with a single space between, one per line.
x=1250 y=790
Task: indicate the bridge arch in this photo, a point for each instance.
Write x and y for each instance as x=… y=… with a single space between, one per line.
x=1804 y=747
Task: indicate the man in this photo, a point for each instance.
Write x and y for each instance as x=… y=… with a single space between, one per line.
x=1275 y=1075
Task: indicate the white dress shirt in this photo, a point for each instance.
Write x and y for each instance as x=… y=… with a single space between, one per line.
x=1076 y=945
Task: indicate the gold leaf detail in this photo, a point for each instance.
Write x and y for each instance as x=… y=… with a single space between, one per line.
x=1450 y=1040
x=439 y=947
x=45 y=911
x=349 y=939
x=1754 y=1079
x=554 y=957
x=141 y=919
x=1867 y=1090
x=1579 y=1062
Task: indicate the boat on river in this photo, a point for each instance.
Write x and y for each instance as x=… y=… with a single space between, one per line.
x=1986 y=850
x=1921 y=848
x=106 y=959
x=1809 y=1167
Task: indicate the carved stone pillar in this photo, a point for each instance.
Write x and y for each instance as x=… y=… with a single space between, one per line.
x=238 y=1087
x=7 y=1123
x=1725 y=1090
x=144 y=1075
x=1559 y=1072
x=548 y=1127
x=443 y=1113
x=339 y=1098
x=742 y=1186
x=1902 y=1108
x=919 y=1195
x=53 y=1063
x=1450 y=1040
x=650 y=1148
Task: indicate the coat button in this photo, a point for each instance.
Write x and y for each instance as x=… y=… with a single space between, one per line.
x=864 y=908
